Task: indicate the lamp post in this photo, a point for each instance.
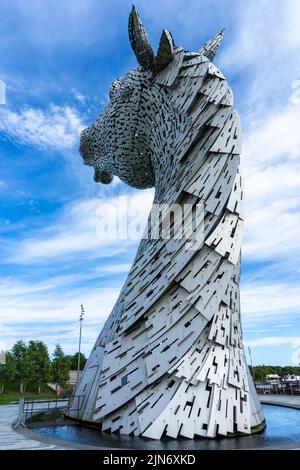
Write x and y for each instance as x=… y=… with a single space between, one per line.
x=79 y=346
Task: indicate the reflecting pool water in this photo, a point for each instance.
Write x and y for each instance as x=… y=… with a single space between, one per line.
x=283 y=428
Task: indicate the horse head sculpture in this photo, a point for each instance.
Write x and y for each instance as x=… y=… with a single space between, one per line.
x=127 y=140
x=170 y=358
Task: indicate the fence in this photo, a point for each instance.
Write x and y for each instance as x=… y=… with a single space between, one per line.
x=28 y=408
x=277 y=388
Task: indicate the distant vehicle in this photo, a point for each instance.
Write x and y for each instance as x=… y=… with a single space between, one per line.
x=291 y=379
x=272 y=378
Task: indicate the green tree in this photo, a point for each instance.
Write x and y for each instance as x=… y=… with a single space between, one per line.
x=22 y=364
x=7 y=371
x=39 y=363
x=60 y=367
x=260 y=372
x=74 y=361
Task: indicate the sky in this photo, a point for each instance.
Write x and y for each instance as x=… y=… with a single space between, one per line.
x=57 y=61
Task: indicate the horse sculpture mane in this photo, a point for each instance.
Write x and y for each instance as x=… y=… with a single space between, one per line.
x=170 y=359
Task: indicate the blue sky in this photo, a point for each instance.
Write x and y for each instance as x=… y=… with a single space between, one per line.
x=57 y=59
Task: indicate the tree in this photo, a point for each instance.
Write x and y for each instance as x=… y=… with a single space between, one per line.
x=22 y=365
x=7 y=371
x=74 y=361
x=60 y=367
x=260 y=372
x=39 y=363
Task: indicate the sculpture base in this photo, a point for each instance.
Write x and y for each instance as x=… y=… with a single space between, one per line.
x=97 y=426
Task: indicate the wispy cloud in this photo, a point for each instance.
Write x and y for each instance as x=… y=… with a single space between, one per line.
x=273 y=341
x=272 y=166
x=264 y=46
x=74 y=232
x=56 y=127
x=53 y=318
x=78 y=96
x=270 y=300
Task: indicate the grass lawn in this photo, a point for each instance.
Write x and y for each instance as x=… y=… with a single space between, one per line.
x=11 y=392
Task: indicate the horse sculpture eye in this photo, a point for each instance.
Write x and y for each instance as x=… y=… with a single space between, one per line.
x=116 y=90
x=127 y=93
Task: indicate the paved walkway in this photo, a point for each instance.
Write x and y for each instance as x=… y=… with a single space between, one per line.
x=13 y=440
x=292 y=401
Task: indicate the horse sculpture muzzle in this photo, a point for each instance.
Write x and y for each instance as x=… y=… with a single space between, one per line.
x=89 y=152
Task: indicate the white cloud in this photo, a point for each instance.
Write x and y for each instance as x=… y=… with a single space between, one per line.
x=78 y=96
x=49 y=305
x=49 y=309
x=272 y=138
x=264 y=49
x=14 y=287
x=74 y=233
x=54 y=318
x=269 y=300
x=57 y=298
x=57 y=127
x=271 y=166
x=273 y=341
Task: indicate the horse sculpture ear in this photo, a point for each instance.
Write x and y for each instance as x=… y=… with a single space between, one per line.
x=165 y=51
x=139 y=41
x=211 y=47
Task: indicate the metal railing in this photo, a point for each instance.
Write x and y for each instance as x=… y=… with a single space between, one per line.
x=263 y=388
x=28 y=408
x=74 y=406
x=32 y=407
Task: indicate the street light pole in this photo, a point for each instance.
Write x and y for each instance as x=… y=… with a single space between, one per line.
x=79 y=346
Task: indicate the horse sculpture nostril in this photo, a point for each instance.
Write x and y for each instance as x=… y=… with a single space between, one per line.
x=102 y=176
